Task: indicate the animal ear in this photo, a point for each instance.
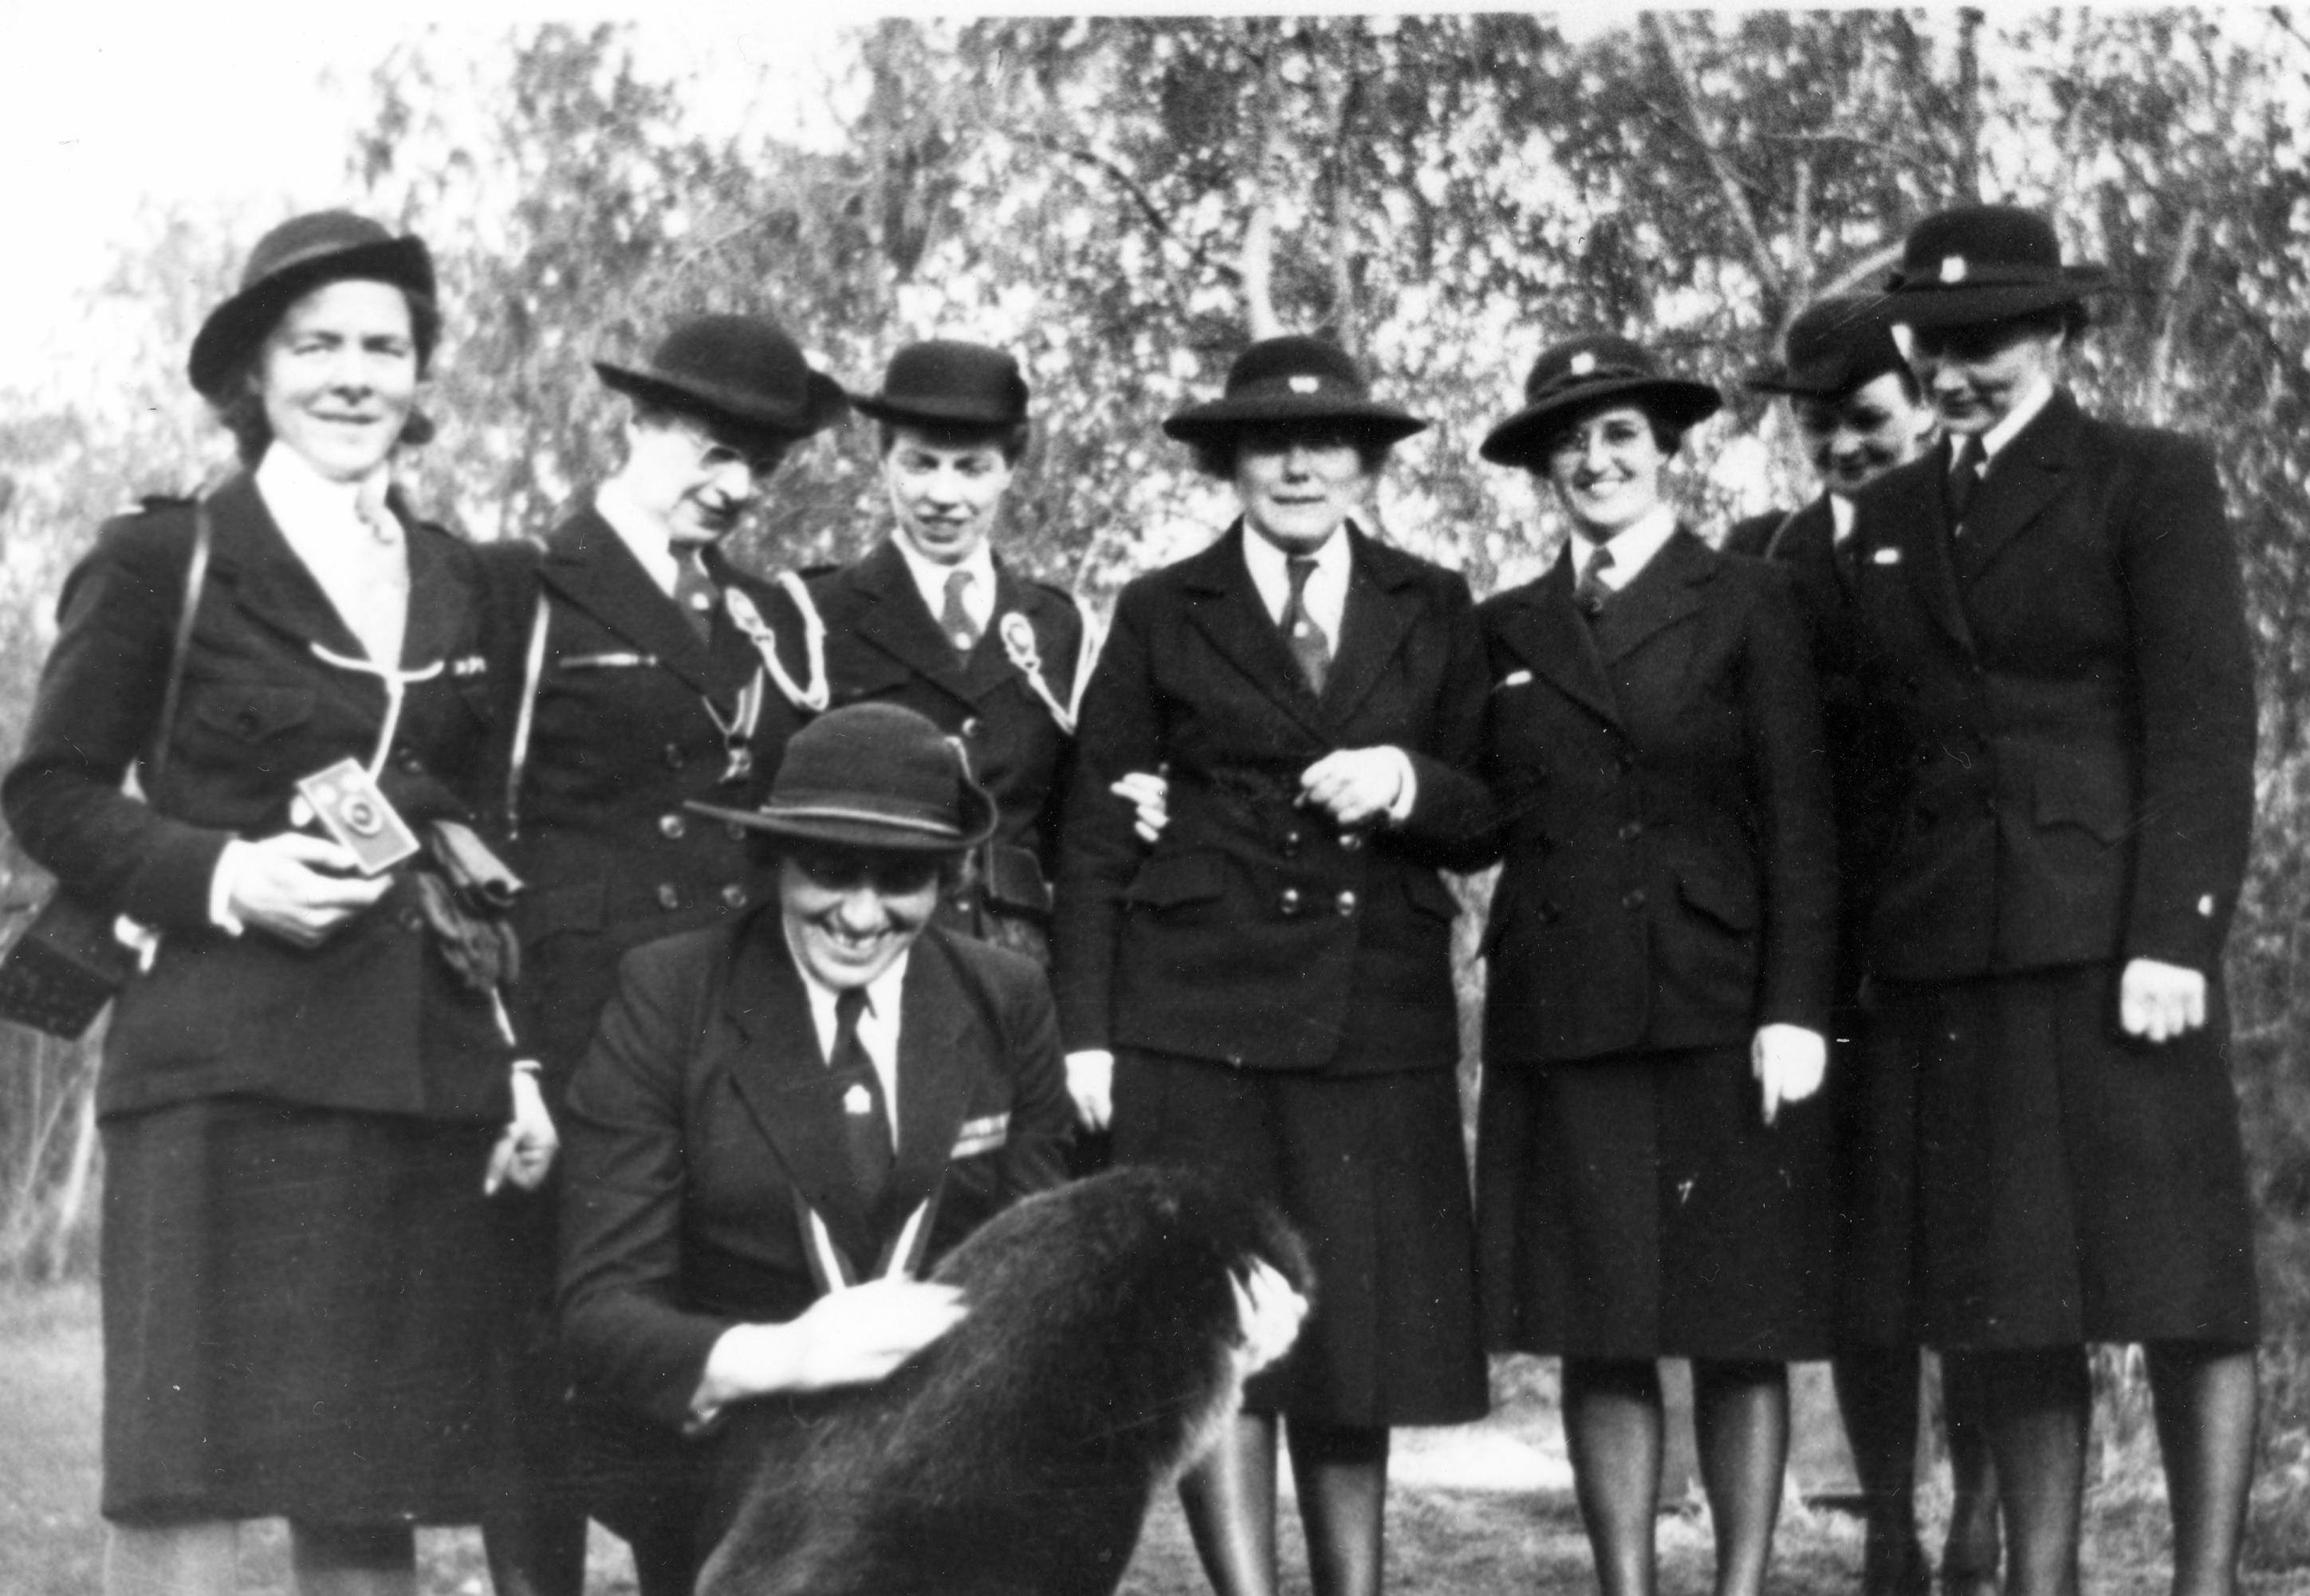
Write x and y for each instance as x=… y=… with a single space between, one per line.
x=1268 y=1314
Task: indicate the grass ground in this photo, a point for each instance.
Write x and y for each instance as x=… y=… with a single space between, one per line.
x=1485 y=1509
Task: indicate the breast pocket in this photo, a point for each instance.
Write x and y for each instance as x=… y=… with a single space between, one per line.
x=249 y=715
x=1178 y=885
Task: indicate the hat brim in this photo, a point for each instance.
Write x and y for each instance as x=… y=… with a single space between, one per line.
x=1680 y=404
x=935 y=412
x=824 y=403
x=846 y=828
x=1932 y=304
x=1218 y=418
x=234 y=329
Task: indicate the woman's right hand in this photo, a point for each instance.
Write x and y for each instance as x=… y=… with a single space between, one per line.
x=299 y=887
x=853 y=1337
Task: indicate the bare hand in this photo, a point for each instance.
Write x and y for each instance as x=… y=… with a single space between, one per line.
x=1357 y=786
x=1150 y=795
x=853 y=1337
x=300 y=888
x=1788 y=1062
x=1090 y=1082
x=2159 y=1001
x=1268 y=1312
x=525 y=1154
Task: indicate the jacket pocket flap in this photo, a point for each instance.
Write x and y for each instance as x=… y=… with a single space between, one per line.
x=578 y=908
x=2098 y=801
x=254 y=712
x=1724 y=902
x=1177 y=879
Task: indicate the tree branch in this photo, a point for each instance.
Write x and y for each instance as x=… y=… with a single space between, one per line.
x=1696 y=125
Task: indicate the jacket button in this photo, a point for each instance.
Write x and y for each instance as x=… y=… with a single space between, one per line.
x=1634 y=900
x=1290 y=901
x=1631 y=829
x=667 y=898
x=1290 y=846
x=674 y=758
x=406 y=757
x=412 y=920
x=734 y=896
x=972 y=726
x=733 y=831
x=1345 y=903
x=673 y=826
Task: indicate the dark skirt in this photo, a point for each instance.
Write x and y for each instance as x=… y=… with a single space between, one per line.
x=299 y=1311
x=2043 y=1181
x=1372 y=1170
x=1638 y=1206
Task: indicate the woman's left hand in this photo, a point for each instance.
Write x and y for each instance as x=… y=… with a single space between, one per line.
x=524 y=1155
x=1788 y=1062
x=1357 y=786
x=2159 y=1001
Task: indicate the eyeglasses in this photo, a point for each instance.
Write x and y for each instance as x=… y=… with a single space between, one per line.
x=714 y=454
x=845 y=870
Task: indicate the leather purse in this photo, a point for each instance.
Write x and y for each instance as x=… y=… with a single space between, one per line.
x=67 y=962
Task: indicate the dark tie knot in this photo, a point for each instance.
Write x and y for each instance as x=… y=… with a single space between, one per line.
x=1590 y=592
x=849 y=1004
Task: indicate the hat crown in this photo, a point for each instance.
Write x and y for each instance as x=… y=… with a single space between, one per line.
x=1834 y=346
x=1981 y=243
x=879 y=768
x=948 y=379
x=1580 y=363
x=738 y=354
x=302 y=240
x=1296 y=364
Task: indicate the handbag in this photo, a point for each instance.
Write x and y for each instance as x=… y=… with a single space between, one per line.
x=66 y=963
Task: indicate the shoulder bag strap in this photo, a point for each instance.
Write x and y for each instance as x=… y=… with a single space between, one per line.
x=525 y=719
x=197 y=576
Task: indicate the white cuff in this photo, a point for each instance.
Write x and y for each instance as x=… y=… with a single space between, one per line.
x=221 y=885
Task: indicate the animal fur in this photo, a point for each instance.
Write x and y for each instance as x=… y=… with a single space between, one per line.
x=1109 y=1334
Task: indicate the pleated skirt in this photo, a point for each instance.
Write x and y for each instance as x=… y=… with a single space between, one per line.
x=300 y=1310
x=1372 y=1170
x=2034 y=1178
x=1637 y=1206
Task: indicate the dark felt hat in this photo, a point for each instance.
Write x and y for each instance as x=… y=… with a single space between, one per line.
x=947 y=383
x=290 y=262
x=1582 y=373
x=1833 y=347
x=1280 y=380
x=871 y=775
x=1981 y=264
x=740 y=371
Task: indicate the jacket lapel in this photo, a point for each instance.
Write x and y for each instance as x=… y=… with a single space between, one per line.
x=896 y=621
x=780 y=1073
x=1666 y=592
x=439 y=607
x=588 y=565
x=1225 y=606
x=268 y=581
x=937 y=1051
x=1372 y=627
x=1910 y=510
x=1541 y=625
x=2027 y=475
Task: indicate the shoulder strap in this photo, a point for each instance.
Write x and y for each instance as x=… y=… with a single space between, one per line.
x=197 y=576
x=1772 y=548
x=525 y=718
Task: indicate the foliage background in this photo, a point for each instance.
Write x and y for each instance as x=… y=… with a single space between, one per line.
x=1123 y=201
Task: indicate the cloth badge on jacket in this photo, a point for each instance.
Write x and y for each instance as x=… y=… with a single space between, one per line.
x=1513 y=679
x=1885 y=557
x=982 y=1135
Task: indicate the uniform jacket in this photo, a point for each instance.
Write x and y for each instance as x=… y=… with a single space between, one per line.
x=1253 y=932
x=885 y=644
x=703 y=1107
x=1671 y=873
x=373 y=1019
x=2075 y=684
x=1864 y=749
x=621 y=739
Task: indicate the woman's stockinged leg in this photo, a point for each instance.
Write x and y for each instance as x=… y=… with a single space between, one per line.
x=1972 y=1555
x=199 y=1558
x=1741 y=1423
x=1612 y=1430
x=1877 y=1399
x=2038 y=1403
x=2206 y=1402
x=1342 y=1473
x=1229 y=1498
x=353 y=1559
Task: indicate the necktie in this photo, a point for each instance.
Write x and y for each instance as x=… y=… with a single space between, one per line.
x=1590 y=593
x=1964 y=477
x=955 y=620
x=1309 y=645
x=694 y=590
x=865 y=1117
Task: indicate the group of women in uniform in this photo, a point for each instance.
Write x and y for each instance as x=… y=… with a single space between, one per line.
x=1852 y=970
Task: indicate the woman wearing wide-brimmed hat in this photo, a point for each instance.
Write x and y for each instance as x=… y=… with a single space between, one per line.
x=1268 y=991
x=827 y=1091
x=1651 y=1165
x=935 y=618
x=1858 y=413
x=2054 y=614
x=300 y=1094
